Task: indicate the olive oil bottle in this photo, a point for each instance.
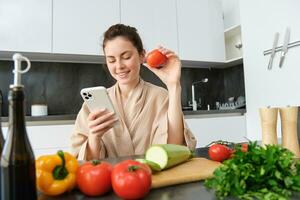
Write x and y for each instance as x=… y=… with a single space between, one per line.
x=1 y=133
x=18 y=180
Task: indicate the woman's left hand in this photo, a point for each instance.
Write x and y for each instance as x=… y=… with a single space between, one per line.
x=171 y=71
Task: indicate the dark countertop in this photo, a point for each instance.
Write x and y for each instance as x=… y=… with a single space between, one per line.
x=187 y=191
x=69 y=119
x=213 y=113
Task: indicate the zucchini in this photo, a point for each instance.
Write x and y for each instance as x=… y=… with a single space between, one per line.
x=168 y=155
x=154 y=166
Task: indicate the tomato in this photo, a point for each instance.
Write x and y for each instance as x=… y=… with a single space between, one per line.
x=94 y=178
x=155 y=58
x=219 y=152
x=244 y=147
x=131 y=179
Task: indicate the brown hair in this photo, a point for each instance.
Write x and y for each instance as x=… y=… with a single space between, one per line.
x=128 y=32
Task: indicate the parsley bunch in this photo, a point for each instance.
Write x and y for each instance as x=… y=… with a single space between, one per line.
x=269 y=173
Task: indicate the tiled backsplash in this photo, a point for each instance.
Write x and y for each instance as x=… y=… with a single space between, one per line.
x=58 y=84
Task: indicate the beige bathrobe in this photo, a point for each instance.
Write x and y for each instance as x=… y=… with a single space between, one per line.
x=143 y=121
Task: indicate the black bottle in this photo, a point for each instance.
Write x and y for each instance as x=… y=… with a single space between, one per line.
x=1 y=133
x=18 y=179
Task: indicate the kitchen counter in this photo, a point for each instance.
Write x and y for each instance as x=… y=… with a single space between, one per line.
x=70 y=119
x=213 y=113
x=195 y=190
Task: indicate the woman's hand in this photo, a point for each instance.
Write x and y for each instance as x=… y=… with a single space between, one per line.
x=100 y=122
x=171 y=71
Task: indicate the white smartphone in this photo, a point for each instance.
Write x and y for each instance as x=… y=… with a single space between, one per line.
x=97 y=98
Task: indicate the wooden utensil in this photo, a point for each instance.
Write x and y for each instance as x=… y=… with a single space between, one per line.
x=268 y=117
x=289 y=117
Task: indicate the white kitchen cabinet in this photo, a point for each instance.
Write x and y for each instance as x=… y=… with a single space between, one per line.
x=233 y=43
x=231 y=13
x=200 y=30
x=48 y=139
x=228 y=128
x=25 y=25
x=232 y=26
x=78 y=25
x=155 y=21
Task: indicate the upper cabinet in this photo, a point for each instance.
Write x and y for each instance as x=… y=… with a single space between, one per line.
x=233 y=38
x=231 y=12
x=155 y=21
x=25 y=25
x=72 y=30
x=78 y=25
x=233 y=43
x=200 y=30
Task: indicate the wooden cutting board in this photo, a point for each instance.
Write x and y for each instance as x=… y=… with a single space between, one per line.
x=193 y=170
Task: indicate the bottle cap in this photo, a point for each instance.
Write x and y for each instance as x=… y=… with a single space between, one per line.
x=18 y=58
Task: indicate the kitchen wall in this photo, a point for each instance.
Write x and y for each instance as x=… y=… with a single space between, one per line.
x=59 y=84
x=278 y=87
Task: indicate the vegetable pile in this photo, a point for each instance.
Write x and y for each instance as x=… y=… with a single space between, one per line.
x=129 y=179
x=269 y=172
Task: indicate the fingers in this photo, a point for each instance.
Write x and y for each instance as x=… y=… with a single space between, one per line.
x=101 y=118
x=166 y=52
x=94 y=115
x=101 y=121
x=103 y=127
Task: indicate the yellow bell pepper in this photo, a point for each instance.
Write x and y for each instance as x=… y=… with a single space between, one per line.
x=56 y=174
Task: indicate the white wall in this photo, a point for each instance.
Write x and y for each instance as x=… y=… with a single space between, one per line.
x=278 y=87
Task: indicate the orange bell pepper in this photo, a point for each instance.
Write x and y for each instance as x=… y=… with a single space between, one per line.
x=56 y=174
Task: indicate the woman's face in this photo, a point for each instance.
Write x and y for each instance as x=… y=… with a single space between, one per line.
x=123 y=60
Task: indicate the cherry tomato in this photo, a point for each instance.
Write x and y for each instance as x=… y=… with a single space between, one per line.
x=219 y=152
x=244 y=147
x=155 y=58
x=94 y=178
x=131 y=179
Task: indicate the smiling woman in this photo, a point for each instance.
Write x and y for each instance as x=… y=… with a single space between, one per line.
x=147 y=114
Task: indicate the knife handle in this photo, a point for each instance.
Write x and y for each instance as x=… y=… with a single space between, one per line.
x=270 y=63
x=281 y=60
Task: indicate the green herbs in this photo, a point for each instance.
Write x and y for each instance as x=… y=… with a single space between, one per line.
x=268 y=173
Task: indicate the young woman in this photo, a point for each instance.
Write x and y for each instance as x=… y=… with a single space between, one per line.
x=145 y=114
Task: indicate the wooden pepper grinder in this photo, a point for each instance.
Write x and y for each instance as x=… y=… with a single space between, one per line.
x=289 y=117
x=268 y=118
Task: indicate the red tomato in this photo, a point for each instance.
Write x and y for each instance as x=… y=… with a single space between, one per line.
x=244 y=147
x=155 y=58
x=219 y=152
x=131 y=179
x=94 y=178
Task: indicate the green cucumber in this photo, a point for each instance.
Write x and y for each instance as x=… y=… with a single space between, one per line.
x=154 y=166
x=168 y=155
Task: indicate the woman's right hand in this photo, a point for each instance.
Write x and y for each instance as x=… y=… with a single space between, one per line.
x=99 y=122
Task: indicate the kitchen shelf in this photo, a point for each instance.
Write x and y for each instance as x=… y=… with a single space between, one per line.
x=234 y=62
x=71 y=58
x=204 y=64
x=233 y=30
x=233 y=43
x=55 y=57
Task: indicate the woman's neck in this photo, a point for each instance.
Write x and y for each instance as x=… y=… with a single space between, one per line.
x=127 y=89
